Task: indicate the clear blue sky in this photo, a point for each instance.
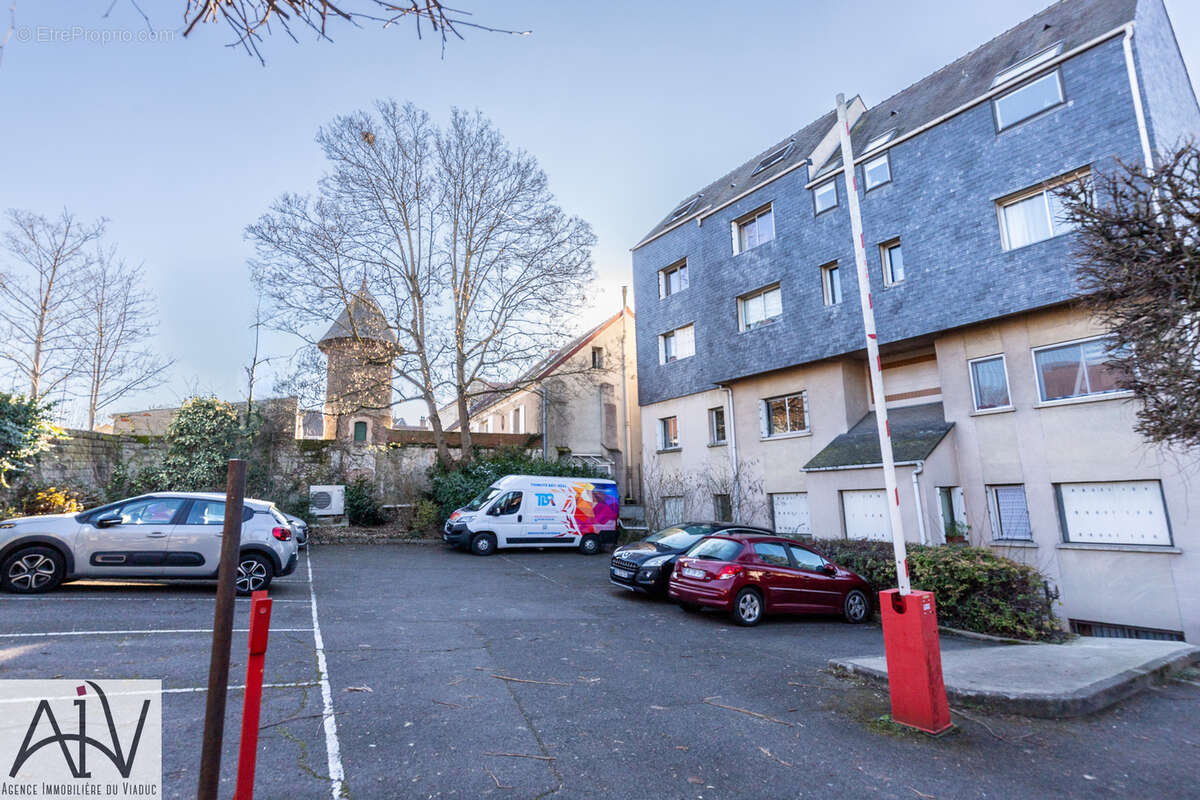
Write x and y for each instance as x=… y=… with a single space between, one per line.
x=628 y=106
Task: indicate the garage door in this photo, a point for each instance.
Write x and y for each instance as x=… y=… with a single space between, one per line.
x=866 y=514
x=790 y=512
x=1127 y=512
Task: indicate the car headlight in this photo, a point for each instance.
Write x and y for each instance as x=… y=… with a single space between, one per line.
x=656 y=561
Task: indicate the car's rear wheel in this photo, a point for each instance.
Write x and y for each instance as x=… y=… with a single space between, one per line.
x=748 y=607
x=856 y=607
x=589 y=545
x=254 y=573
x=484 y=544
x=31 y=570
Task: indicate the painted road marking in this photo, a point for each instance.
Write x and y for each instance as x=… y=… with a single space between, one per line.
x=337 y=780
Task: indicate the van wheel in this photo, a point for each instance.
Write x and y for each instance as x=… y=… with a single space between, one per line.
x=32 y=570
x=484 y=544
x=590 y=545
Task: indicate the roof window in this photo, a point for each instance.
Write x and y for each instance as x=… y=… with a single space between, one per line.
x=774 y=158
x=684 y=209
x=1021 y=67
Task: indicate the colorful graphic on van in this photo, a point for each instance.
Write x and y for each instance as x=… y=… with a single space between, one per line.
x=588 y=507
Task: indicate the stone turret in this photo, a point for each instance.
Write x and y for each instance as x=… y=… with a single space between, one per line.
x=360 y=348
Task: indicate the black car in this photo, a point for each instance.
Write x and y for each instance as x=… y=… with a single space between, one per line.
x=646 y=566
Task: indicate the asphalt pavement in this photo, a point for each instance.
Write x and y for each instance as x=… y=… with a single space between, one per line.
x=528 y=675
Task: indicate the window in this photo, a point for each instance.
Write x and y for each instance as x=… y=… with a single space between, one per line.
x=1025 y=101
x=206 y=512
x=772 y=553
x=676 y=344
x=774 y=158
x=825 y=196
x=806 y=559
x=518 y=419
x=597 y=358
x=1118 y=512
x=716 y=425
x=1027 y=65
x=754 y=229
x=1077 y=369
x=877 y=172
x=508 y=504
x=360 y=431
x=784 y=415
x=1010 y=514
x=760 y=308
x=880 y=140
x=722 y=508
x=1034 y=216
x=715 y=549
x=989 y=383
x=668 y=433
x=831 y=284
x=672 y=510
x=151 y=511
x=683 y=209
x=673 y=279
x=893 y=262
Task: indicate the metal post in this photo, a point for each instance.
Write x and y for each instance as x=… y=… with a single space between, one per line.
x=876 y=367
x=260 y=626
x=218 y=667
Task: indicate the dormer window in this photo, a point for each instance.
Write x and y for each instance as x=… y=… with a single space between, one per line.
x=774 y=158
x=683 y=210
x=880 y=140
x=1028 y=65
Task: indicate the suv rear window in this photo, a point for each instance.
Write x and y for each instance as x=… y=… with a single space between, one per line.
x=716 y=550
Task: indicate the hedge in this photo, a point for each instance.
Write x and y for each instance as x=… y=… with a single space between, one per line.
x=976 y=590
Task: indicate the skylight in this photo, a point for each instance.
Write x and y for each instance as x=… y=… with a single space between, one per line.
x=880 y=140
x=1021 y=67
x=684 y=209
x=774 y=158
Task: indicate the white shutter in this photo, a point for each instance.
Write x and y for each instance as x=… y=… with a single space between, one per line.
x=521 y=419
x=764 y=426
x=733 y=232
x=790 y=512
x=1129 y=512
x=685 y=341
x=662 y=349
x=866 y=514
x=773 y=303
x=662 y=284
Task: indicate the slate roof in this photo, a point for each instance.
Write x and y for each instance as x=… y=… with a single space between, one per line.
x=362 y=319
x=1071 y=22
x=916 y=431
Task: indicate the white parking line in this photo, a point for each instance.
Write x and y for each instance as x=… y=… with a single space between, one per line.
x=50 y=634
x=337 y=777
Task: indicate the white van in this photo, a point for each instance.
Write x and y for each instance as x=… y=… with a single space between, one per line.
x=537 y=511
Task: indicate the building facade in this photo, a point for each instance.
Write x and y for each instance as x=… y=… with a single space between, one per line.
x=1010 y=430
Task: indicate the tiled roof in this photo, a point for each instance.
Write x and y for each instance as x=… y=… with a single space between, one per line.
x=916 y=430
x=362 y=319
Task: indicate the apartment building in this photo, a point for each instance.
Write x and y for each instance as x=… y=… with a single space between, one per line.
x=1010 y=429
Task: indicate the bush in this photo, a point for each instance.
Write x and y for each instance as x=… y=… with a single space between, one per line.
x=425 y=515
x=362 y=504
x=454 y=488
x=25 y=431
x=976 y=590
x=51 y=500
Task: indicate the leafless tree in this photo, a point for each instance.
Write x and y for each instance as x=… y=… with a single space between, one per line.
x=40 y=290
x=115 y=319
x=454 y=235
x=1138 y=243
x=744 y=487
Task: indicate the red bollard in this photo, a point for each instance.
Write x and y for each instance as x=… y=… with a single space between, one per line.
x=260 y=626
x=914 y=660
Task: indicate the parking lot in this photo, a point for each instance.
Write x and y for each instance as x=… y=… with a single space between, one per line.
x=528 y=675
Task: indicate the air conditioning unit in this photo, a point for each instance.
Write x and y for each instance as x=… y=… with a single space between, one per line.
x=327 y=501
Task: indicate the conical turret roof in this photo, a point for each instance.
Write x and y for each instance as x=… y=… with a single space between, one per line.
x=362 y=319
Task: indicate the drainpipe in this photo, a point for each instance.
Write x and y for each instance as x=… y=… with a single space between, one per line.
x=917 y=470
x=1135 y=89
x=541 y=391
x=627 y=456
x=731 y=433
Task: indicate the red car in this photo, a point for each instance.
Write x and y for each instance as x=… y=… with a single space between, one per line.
x=749 y=575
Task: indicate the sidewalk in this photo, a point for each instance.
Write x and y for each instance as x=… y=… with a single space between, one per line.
x=1046 y=680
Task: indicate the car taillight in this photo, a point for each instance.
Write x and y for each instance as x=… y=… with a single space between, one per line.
x=729 y=571
x=282 y=534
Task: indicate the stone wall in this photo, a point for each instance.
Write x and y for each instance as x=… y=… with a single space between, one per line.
x=87 y=459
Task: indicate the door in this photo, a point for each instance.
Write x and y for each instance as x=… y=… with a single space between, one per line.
x=507 y=521
x=789 y=510
x=138 y=545
x=195 y=543
x=953 y=511
x=782 y=584
x=819 y=590
x=866 y=515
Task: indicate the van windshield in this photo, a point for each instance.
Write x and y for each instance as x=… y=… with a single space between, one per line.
x=485 y=495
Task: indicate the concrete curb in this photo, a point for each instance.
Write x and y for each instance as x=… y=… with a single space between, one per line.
x=1089 y=699
x=983 y=637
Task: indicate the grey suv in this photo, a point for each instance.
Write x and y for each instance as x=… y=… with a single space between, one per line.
x=159 y=535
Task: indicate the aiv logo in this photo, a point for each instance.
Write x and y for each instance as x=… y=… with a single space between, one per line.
x=114 y=751
x=544 y=499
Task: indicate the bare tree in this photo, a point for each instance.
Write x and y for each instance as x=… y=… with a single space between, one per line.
x=1138 y=242
x=451 y=233
x=115 y=320
x=40 y=293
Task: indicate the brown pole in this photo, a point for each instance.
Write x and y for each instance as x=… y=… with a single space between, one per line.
x=218 y=666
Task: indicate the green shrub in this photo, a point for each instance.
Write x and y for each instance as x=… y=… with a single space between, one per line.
x=975 y=589
x=362 y=504
x=51 y=500
x=425 y=515
x=454 y=488
x=25 y=431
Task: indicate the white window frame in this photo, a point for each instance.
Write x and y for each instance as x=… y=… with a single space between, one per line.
x=827 y=283
x=743 y=325
x=664 y=278
x=1027 y=65
x=764 y=406
x=663 y=444
x=674 y=336
x=1045 y=190
x=746 y=219
x=998 y=534
x=713 y=441
x=879 y=141
x=1083 y=398
x=837 y=199
x=774 y=157
x=1005 y=125
x=868 y=186
x=975 y=394
x=885 y=261
x=682 y=210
